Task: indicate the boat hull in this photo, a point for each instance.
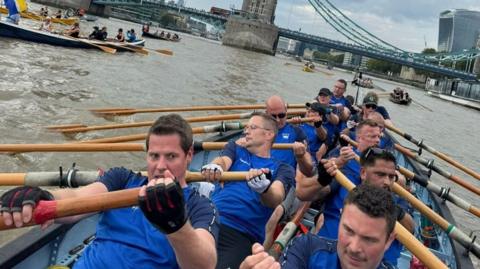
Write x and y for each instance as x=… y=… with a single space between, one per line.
x=156 y=36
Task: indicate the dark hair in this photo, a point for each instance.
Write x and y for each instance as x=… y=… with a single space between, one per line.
x=344 y=82
x=367 y=122
x=374 y=201
x=268 y=120
x=371 y=155
x=350 y=99
x=120 y=29
x=172 y=124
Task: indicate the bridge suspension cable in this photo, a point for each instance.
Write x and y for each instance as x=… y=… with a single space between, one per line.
x=357 y=35
x=349 y=37
x=364 y=30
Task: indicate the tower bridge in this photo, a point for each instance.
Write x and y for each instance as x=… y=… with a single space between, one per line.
x=254 y=30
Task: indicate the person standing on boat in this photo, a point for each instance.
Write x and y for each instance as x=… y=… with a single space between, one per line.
x=366 y=230
x=172 y=227
x=330 y=119
x=14 y=8
x=74 y=31
x=245 y=206
x=339 y=101
x=120 y=36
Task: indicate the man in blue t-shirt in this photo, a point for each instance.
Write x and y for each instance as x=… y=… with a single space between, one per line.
x=288 y=133
x=173 y=226
x=245 y=206
x=338 y=100
x=366 y=230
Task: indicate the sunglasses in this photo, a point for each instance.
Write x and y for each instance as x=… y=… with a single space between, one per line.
x=279 y=115
x=371 y=106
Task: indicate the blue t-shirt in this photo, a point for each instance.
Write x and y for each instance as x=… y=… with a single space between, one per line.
x=314 y=142
x=239 y=206
x=310 y=251
x=334 y=202
x=288 y=134
x=126 y=239
x=386 y=142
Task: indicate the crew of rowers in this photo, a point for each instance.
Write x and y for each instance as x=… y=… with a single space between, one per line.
x=162 y=34
x=400 y=94
x=231 y=224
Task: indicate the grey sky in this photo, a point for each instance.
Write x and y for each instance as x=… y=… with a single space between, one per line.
x=406 y=23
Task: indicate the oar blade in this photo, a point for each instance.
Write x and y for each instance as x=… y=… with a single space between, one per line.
x=165 y=51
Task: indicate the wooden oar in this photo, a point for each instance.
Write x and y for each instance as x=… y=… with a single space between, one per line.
x=124 y=46
x=55 y=127
x=149 y=123
x=161 y=51
x=130 y=111
x=103 y=48
x=404 y=236
x=443 y=193
x=434 y=167
x=434 y=151
x=223 y=127
x=107 y=147
x=82 y=178
x=288 y=231
x=47 y=210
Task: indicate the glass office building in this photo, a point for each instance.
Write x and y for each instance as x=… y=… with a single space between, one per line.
x=458 y=29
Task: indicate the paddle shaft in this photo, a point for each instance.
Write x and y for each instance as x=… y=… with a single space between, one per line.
x=441 y=192
x=288 y=231
x=223 y=127
x=404 y=236
x=434 y=152
x=149 y=123
x=107 y=147
x=431 y=165
x=129 y=111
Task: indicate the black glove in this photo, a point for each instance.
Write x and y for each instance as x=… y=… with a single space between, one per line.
x=164 y=207
x=14 y=199
x=318 y=124
x=323 y=178
x=399 y=212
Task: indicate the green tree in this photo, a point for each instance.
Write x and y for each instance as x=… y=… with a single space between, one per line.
x=383 y=66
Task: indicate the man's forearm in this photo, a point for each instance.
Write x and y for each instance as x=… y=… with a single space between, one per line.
x=305 y=164
x=274 y=196
x=194 y=248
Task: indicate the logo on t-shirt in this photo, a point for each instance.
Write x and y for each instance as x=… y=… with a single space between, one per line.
x=285 y=135
x=244 y=162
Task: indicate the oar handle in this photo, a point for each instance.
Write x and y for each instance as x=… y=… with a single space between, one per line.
x=47 y=210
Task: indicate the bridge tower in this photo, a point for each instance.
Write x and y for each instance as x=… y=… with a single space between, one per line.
x=253 y=29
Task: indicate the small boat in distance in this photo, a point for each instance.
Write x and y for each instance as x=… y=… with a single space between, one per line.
x=400 y=96
x=162 y=36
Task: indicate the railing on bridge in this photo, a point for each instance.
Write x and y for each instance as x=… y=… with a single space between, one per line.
x=404 y=59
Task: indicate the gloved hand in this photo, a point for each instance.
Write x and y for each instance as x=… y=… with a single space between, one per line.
x=14 y=199
x=324 y=178
x=399 y=212
x=164 y=206
x=212 y=172
x=259 y=180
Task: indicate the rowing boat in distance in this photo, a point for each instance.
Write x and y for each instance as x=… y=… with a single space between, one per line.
x=400 y=96
x=39 y=36
x=33 y=16
x=156 y=35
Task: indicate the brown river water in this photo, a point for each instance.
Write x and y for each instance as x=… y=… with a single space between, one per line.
x=42 y=85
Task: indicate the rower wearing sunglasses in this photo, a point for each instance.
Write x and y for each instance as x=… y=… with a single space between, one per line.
x=288 y=133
